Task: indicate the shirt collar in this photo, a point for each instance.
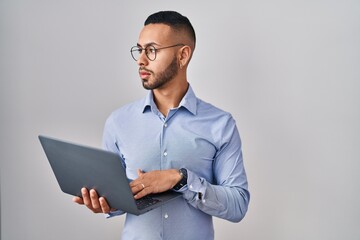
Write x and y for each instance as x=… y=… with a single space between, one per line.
x=188 y=102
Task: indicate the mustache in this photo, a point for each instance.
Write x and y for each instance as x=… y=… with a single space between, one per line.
x=145 y=69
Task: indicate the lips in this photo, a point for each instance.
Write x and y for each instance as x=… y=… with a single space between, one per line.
x=144 y=74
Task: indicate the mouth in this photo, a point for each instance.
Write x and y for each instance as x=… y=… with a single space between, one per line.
x=144 y=74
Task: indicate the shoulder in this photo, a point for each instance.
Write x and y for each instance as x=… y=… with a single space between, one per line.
x=218 y=123
x=209 y=110
x=128 y=109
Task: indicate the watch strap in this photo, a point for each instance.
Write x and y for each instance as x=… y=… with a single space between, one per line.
x=183 y=180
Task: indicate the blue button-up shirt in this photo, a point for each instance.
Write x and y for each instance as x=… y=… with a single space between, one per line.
x=196 y=136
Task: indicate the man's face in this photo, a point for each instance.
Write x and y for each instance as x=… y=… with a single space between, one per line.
x=156 y=74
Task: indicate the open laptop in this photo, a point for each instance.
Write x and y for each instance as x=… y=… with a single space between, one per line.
x=76 y=166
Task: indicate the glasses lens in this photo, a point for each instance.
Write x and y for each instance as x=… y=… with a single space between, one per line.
x=135 y=52
x=151 y=52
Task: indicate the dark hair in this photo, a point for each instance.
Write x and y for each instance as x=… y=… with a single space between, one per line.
x=173 y=19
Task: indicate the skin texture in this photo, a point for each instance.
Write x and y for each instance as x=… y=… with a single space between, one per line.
x=166 y=77
x=159 y=79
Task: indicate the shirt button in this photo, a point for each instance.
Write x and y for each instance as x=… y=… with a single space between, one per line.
x=191 y=186
x=165 y=125
x=165 y=154
x=166 y=215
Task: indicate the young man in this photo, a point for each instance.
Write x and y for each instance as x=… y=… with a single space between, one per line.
x=173 y=140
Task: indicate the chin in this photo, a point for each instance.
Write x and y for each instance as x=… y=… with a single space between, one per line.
x=146 y=85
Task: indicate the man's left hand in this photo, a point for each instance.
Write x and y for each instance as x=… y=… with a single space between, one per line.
x=154 y=182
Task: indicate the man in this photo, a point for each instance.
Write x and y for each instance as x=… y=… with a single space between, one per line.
x=171 y=140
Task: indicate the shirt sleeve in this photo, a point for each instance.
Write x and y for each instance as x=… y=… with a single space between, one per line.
x=109 y=144
x=227 y=196
x=114 y=213
x=109 y=140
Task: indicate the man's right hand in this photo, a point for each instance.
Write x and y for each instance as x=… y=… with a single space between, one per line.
x=93 y=202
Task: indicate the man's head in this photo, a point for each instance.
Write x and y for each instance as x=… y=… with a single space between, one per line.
x=164 y=49
x=180 y=25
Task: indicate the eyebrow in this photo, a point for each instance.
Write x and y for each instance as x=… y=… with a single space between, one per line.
x=148 y=44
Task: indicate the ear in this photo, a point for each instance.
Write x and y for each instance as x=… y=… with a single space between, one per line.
x=184 y=55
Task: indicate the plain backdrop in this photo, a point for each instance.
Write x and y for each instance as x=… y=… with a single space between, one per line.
x=288 y=71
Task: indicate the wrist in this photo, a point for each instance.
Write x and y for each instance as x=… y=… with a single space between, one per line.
x=177 y=177
x=182 y=173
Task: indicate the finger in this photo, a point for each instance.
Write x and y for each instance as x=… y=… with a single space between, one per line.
x=138 y=187
x=135 y=189
x=132 y=184
x=135 y=182
x=143 y=193
x=94 y=200
x=86 y=197
x=78 y=200
x=104 y=205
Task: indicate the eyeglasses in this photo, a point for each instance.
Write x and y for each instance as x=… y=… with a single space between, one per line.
x=150 y=51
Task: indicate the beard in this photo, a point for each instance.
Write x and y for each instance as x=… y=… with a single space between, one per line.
x=163 y=77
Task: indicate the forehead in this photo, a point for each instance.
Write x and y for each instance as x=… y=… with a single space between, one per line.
x=159 y=34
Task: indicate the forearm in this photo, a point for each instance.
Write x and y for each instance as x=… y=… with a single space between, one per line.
x=227 y=202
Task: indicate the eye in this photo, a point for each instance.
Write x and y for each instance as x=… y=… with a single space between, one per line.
x=136 y=50
x=151 y=50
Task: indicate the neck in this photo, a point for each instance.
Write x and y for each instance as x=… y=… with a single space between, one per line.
x=170 y=96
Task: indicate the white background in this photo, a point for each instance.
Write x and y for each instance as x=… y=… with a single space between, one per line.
x=288 y=71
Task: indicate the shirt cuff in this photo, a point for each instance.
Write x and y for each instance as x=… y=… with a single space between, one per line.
x=114 y=213
x=195 y=189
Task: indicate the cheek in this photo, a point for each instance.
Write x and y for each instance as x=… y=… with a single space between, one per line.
x=161 y=64
x=157 y=68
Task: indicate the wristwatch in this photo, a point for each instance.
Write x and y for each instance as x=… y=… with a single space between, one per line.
x=183 y=180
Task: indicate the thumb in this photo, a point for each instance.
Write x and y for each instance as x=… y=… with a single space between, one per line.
x=140 y=172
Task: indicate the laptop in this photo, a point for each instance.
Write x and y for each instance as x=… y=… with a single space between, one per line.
x=77 y=166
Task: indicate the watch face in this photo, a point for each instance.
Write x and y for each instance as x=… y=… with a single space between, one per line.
x=184 y=172
x=183 y=181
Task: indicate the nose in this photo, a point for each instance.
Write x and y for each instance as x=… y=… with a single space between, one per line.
x=143 y=60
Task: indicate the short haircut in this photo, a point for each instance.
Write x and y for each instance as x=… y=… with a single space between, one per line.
x=175 y=20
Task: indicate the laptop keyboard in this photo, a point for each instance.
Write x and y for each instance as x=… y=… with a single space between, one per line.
x=146 y=202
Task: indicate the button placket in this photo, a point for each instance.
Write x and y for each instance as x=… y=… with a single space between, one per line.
x=165 y=153
x=163 y=147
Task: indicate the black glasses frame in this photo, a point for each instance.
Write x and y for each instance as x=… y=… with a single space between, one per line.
x=148 y=50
